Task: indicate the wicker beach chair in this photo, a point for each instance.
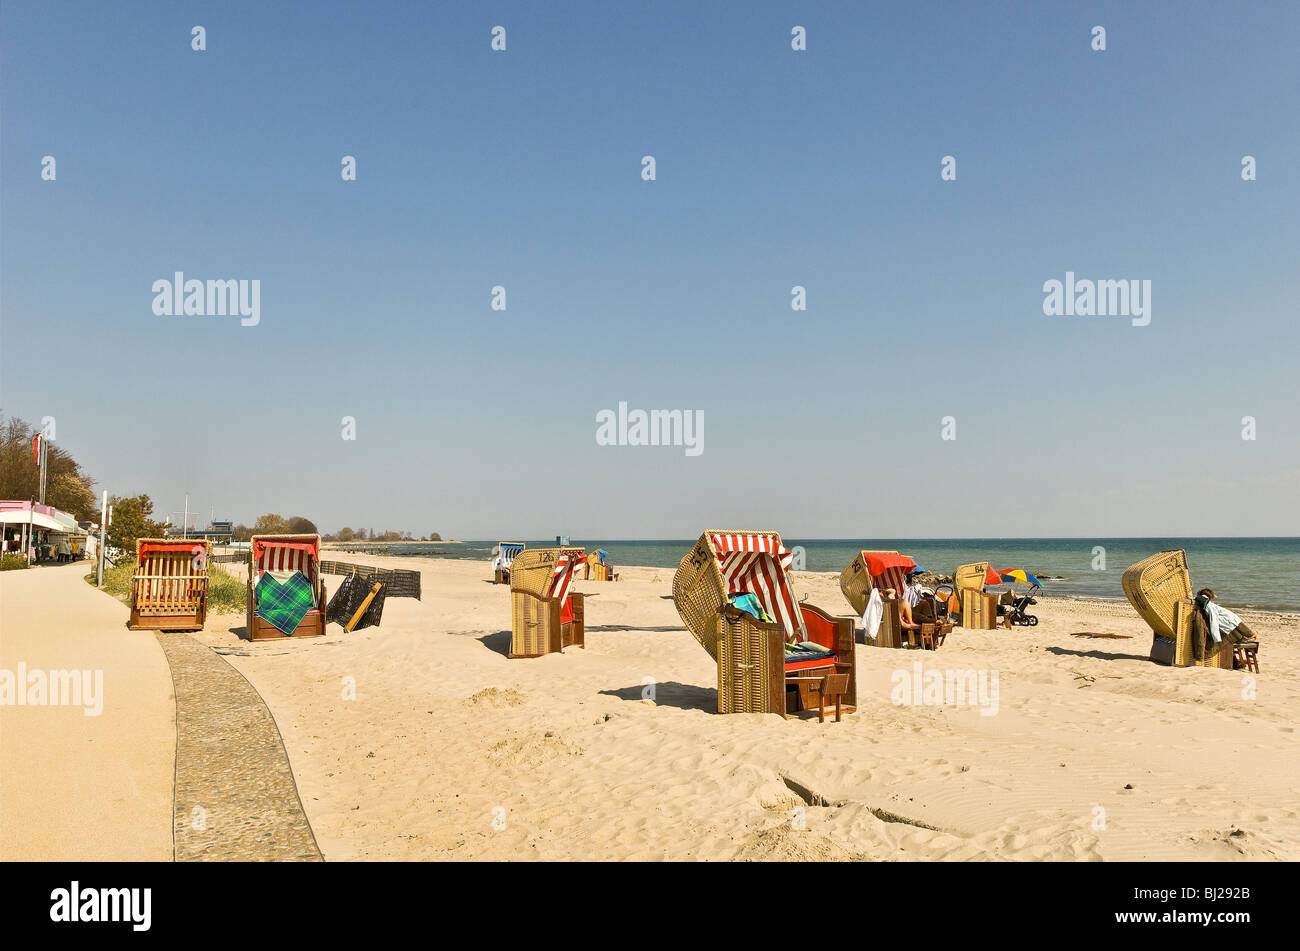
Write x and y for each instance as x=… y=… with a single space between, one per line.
x=1160 y=590
x=506 y=554
x=286 y=553
x=546 y=615
x=598 y=569
x=169 y=590
x=755 y=674
x=978 y=610
x=886 y=570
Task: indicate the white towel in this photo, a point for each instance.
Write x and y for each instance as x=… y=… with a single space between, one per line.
x=873 y=615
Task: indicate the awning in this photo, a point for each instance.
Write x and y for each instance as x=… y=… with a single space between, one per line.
x=36 y=520
x=878 y=562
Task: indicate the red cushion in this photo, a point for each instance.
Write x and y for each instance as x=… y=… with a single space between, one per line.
x=820 y=631
x=809 y=664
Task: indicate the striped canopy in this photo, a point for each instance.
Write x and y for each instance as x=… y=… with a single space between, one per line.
x=888 y=569
x=562 y=575
x=759 y=564
x=506 y=552
x=285 y=553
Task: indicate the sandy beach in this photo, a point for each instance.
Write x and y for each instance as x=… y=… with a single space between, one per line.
x=450 y=750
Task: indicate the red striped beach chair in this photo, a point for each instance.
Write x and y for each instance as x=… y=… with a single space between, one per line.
x=755 y=672
x=884 y=571
x=286 y=553
x=169 y=590
x=547 y=615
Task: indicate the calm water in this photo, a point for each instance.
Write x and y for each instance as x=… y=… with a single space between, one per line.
x=1259 y=573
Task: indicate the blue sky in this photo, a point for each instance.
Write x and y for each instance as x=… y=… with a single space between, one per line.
x=774 y=168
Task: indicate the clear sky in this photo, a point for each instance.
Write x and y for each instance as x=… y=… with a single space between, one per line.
x=775 y=168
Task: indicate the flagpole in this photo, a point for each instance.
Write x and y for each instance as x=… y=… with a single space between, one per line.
x=103 y=524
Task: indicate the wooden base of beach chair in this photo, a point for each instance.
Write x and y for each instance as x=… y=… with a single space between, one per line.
x=312 y=625
x=501 y=576
x=752 y=676
x=536 y=628
x=143 y=621
x=979 y=610
x=1183 y=654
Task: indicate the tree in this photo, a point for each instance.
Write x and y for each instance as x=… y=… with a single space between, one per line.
x=67 y=487
x=346 y=534
x=271 y=524
x=302 y=526
x=241 y=533
x=435 y=537
x=131 y=521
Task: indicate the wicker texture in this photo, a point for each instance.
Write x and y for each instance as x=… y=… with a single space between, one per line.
x=749 y=654
x=856 y=581
x=699 y=592
x=1155 y=585
x=536 y=627
x=745 y=659
x=971 y=577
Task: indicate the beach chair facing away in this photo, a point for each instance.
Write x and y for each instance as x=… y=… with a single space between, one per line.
x=546 y=615
x=1160 y=589
x=169 y=590
x=885 y=570
x=505 y=556
x=598 y=569
x=979 y=610
x=286 y=554
x=755 y=673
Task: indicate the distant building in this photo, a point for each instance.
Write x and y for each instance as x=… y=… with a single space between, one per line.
x=219 y=532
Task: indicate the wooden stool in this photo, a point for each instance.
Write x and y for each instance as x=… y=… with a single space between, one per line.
x=1245 y=656
x=832 y=685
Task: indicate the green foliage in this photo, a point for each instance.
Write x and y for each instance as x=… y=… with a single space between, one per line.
x=271 y=524
x=302 y=526
x=67 y=487
x=131 y=521
x=227 y=594
x=12 y=561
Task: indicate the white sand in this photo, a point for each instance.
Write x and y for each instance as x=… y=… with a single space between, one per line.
x=1095 y=753
x=76 y=787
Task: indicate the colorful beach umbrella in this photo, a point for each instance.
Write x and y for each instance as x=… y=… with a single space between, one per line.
x=1018 y=576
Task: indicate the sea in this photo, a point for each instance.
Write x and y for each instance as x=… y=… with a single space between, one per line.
x=1259 y=573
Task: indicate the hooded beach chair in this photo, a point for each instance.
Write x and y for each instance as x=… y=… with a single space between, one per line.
x=169 y=590
x=734 y=594
x=276 y=595
x=978 y=609
x=1160 y=589
x=885 y=571
x=546 y=615
x=505 y=555
x=598 y=569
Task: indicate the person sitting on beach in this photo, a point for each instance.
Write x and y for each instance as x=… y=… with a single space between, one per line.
x=1225 y=627
x=905 y=607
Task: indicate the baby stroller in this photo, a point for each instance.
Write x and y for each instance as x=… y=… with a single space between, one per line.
x=1016 y=613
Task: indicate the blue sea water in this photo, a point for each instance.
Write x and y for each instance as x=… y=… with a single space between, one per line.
x=1261 y=573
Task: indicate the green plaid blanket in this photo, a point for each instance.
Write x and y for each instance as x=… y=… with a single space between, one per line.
x=284 y=605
